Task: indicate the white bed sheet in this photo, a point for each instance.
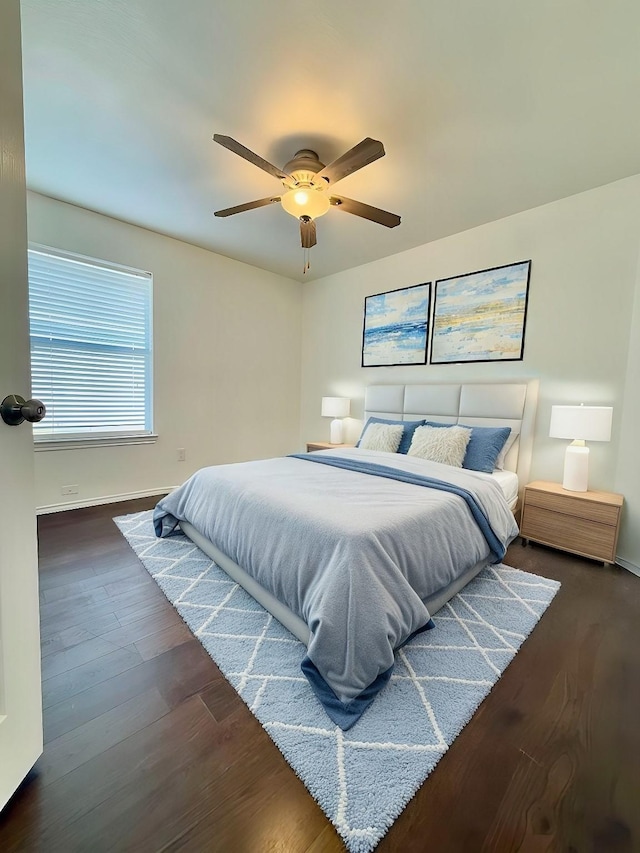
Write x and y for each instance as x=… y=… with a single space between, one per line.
x=508 y=482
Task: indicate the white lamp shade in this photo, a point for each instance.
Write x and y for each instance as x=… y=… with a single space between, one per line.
x=584 y=423
x=335 y=407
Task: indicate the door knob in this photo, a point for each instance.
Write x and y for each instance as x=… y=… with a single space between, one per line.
x=15 y=409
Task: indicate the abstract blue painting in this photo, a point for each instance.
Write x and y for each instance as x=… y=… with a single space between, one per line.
x=481 y=316
x=396 y=326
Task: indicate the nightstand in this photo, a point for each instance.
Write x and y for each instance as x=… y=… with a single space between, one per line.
x=584 y=523
x=323 y=445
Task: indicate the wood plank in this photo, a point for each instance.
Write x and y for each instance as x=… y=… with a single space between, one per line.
x=223 y=806
x=161 y=641
x=82 y=677
x=82 y=581
x=130 y=632
x=78 y=654
x=92 y=600
x=154 y=752
x=135 y=611
x=134 y=583
x=177 y=674
x=72 y=578
x=212 y=784
x=88 y=740
x=64 y=639
x=221 y=700
x=96 y=623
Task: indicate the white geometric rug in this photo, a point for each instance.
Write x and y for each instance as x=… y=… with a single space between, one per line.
x=362 y=779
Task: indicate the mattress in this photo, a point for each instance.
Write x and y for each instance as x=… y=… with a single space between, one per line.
x=508 y=482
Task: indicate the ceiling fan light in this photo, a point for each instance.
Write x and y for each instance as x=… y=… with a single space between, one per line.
x=305 y=201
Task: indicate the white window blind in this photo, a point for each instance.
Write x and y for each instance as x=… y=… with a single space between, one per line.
x=90 y=326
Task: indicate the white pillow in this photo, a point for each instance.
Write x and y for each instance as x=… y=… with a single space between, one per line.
x=441 y=444
x=385 y=437
x=511 y=440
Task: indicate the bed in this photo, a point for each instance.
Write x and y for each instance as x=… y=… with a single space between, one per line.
x=353 y=550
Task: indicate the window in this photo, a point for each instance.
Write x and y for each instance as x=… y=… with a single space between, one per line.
x=91 y=357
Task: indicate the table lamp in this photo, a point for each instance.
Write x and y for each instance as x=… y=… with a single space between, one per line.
x=336 y=408
x=580 y=423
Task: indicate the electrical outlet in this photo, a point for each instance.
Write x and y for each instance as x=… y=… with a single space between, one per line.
x=181 y=454
x=69 y=490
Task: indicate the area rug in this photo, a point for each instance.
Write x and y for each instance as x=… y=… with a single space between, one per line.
x=362 y=779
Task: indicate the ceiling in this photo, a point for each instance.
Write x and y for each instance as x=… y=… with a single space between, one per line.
x=485 y=109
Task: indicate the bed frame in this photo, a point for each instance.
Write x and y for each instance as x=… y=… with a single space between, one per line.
x=498 y=404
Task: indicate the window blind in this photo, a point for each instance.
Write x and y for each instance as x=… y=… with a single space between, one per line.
x=90 y=328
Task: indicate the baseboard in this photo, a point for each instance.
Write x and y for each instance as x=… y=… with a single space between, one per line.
x=630 y=567
x=105 y=499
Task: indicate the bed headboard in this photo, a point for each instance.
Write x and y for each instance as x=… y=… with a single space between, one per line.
x=511 y=404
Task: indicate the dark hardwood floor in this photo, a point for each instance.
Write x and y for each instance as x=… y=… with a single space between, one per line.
x=148 y=748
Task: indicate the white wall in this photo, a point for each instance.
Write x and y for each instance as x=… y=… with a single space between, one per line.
x=226 y=359
x=584 y=252
x=628 y=473
x=228 y=341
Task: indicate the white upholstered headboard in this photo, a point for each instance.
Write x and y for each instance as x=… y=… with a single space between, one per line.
x=511 y=404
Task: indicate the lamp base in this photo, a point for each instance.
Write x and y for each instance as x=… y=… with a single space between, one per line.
x=576 y=468
x=336 y=431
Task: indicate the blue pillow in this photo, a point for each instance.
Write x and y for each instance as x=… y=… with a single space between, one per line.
x=407 y=434
x=484 y=446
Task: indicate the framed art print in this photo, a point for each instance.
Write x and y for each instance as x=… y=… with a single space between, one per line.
x=396 y=326
x=481 y=316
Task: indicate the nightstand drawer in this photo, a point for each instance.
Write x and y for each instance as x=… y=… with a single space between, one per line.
x=555 y=528
x=575 y=507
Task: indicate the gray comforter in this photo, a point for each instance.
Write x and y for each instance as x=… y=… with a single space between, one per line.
x=353 y=555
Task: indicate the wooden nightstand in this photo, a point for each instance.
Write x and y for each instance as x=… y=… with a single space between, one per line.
x=323 y=445
x=584 y=523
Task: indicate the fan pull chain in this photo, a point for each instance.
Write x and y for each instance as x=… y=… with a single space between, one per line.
x=306 y=265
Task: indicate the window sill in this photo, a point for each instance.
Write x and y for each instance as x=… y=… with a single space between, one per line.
x=97 y=441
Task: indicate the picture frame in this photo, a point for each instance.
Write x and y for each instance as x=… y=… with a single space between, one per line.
x=395 y=327
x=481 y=316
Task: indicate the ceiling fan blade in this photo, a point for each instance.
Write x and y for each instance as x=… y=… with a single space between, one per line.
x=242 y=151
x=250 y=205
x=358 y=208
x=360 y=155
x=307 y=232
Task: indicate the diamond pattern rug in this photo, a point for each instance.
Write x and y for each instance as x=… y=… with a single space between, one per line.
x=362 y=779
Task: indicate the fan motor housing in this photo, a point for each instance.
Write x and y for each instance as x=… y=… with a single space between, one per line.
x=304 y=166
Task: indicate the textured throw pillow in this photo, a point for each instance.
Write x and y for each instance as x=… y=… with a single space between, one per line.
x=381 y=437
x=408 y=429
x=447 y=445
x=484 y=446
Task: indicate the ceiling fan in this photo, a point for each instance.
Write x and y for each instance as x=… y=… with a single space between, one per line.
x=308 y=183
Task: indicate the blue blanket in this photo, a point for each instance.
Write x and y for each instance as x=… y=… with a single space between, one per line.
x=345 y=714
